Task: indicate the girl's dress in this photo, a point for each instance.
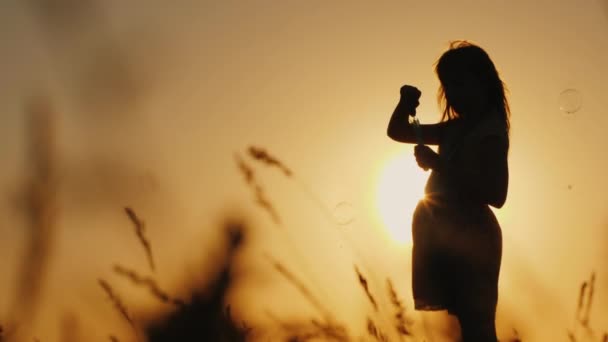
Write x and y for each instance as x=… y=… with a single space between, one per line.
x=457 y=241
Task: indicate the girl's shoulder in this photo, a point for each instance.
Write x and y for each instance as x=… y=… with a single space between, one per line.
x=489 y=127
x=456 y=130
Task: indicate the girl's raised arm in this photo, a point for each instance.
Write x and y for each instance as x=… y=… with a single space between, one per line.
x=401 y=130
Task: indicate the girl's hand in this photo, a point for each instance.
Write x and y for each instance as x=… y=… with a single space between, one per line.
x=409 y=99
x=426 y=157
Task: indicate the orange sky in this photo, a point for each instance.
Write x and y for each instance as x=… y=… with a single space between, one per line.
x=314 y=82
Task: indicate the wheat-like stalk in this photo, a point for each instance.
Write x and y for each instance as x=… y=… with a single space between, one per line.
x=140 y=231
x=148 y=283
x=260 y=195
x=375 y=332
x=311 y=330
x=118 y=304
x=300 y=286
x=581 y=300
x=116 y=301
x=401 y=323
x=331 y=331
x=263 y=156
x=583 y=312
x=365 y=286
x=585 y=320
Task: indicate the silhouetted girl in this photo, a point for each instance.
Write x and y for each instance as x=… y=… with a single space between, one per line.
x=457 y=242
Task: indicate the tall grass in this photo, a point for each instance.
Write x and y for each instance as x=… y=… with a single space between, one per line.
x=140 y=231
x=118 y=304
x=582 y=329
x=148 y=283
x=39 y=210
x=207 y=314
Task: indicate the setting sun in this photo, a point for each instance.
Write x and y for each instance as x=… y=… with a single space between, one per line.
x=400 y=187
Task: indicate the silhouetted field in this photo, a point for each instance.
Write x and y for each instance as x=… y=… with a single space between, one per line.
x=207 y=314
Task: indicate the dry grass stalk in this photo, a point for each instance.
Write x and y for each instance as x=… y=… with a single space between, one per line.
x=259 y=193
x=293 y=328
x=581 y=300
x=140 y=229
x=263 y=202
x=583 y=311
x=245 y=169
x=300 y=331
x=365 y=286
x=605 y=338
x=113 y=338
x=263 y=156
x=331 y=331
x=148 y=283
x=376 y=333
x=117 y=302
x=40 y=208
x=401 y=324
x=300 y=286
x=586 y=313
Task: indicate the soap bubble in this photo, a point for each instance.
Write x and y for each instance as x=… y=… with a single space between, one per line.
x=344 y=213
x=570 y=101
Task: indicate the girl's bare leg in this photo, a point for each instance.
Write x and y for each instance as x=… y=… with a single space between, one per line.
x=440 y=327
x=477 y=326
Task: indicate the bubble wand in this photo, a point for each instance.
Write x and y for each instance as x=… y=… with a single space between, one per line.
x=418 y=131
x=414 y=121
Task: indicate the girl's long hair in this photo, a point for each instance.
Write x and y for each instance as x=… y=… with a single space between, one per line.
x=463 y=55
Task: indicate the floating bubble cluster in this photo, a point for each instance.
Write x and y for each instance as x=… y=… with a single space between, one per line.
x=344 y=213
x=570 y=101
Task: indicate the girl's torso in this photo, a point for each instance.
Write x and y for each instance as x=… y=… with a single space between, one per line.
x=458 y=145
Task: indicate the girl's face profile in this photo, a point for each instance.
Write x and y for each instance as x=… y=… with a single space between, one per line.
x=465 y=93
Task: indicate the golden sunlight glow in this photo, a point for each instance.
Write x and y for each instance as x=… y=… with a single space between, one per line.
x=400 y=187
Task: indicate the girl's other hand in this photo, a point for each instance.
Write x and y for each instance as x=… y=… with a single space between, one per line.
x=426 y=157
